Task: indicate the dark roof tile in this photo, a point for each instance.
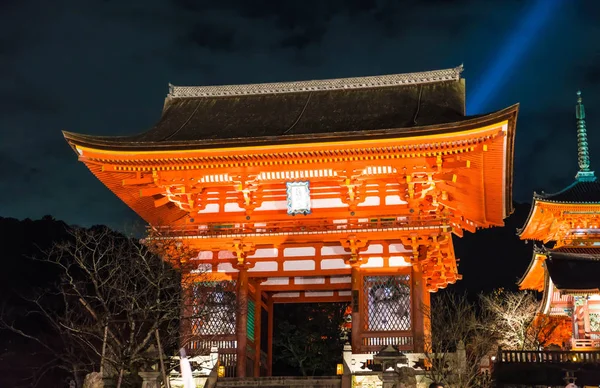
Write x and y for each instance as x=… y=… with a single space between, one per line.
x=578 y=192
x=574 y=268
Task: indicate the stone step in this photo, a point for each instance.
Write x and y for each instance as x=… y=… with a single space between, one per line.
x=281 y=382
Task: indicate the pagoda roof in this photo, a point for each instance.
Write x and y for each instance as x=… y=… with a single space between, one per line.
x=575 y=269
x=210 y=116
x=579 y=192
x=534 y=276
x=584 y=192
x=571 y=268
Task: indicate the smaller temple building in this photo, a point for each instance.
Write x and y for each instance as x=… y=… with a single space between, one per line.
x=565 y=267
x=568 y=274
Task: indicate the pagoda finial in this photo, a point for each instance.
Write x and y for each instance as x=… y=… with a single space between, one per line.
x=583 y=151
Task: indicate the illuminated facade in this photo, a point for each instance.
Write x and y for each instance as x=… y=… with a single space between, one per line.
x=343 y=190
x=569 y=273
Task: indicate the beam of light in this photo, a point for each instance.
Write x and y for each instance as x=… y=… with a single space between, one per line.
x=515 y=47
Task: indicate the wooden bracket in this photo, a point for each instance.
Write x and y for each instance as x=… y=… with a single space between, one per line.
x=354 y=245
x=354 y=185
x=247 y=186
x=241 y=251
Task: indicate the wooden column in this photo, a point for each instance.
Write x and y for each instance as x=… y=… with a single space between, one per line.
x=356 y=321
x=421 y=312
x=270 y=336
x=257 y=327
x=241 y=322
x=187 y=311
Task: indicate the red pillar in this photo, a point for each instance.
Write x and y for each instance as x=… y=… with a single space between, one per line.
x=421 y=312
x=356 y=321
x=187 y=311
x=270 y=337
x=257 y=327
x=241 y=322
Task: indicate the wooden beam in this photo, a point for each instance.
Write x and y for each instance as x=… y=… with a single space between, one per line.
x=335 y=236
x=356 y=308
x=138 y=181
x=270 y=310
x=307 y=287
x=456 y=164
x=161 y=202
x=241 y=323
x=257 y=328
x=150 y=191
x=314 y=299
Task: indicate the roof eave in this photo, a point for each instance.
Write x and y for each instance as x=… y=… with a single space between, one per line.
x=522 y=230
x=510 y=153
x=582 y=292
x=530 y=268
x=120 y=143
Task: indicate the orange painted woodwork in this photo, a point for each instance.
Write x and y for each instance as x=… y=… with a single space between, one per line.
x=552 y=330
x=394 y=169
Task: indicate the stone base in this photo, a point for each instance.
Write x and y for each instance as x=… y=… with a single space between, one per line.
x=150 y=379
x=282 y=382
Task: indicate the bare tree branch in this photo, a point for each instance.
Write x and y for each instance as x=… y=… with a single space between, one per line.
x=110 y=283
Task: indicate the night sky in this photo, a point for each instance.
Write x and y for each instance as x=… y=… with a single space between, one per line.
x=102 y=67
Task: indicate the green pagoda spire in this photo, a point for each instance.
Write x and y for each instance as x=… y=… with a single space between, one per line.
x=583 y=151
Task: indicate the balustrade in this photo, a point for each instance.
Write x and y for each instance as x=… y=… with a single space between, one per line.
x=382 y=223
x=373 y=342
x=548 y=356
x=587 y=344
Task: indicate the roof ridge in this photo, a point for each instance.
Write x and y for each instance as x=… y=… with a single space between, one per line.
x=317 y=85
x=551 y=197
x=544 y=195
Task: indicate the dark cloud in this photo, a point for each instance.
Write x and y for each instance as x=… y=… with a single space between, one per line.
x=590 y=73
x=11 y=168
x=212 y=36
x=301 y=40
x=19 y=97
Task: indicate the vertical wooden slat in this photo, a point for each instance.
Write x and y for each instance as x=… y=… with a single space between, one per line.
x=356 y=313
x=257 y=326
x=242 y=321
x=270 y=337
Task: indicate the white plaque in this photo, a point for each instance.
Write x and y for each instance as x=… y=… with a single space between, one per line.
x=298 y=197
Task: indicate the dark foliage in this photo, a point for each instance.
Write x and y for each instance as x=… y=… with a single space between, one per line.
x=307 y=340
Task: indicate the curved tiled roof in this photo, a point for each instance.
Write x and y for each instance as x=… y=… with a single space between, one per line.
x=577 y=192
x=574 y=271
x=305 y=108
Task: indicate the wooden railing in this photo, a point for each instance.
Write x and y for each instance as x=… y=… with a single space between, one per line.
x=378 y=223
x=201 y=346
x=548 y=356
x=580 y=344
x=373 y=342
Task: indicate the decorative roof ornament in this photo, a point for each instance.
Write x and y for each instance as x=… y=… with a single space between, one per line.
x=584 y=174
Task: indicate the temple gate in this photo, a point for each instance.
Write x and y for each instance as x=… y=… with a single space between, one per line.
x=344 y=190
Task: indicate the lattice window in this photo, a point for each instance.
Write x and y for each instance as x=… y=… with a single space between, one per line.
x=388 y=303
x=595 y=322
x=214 y=308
